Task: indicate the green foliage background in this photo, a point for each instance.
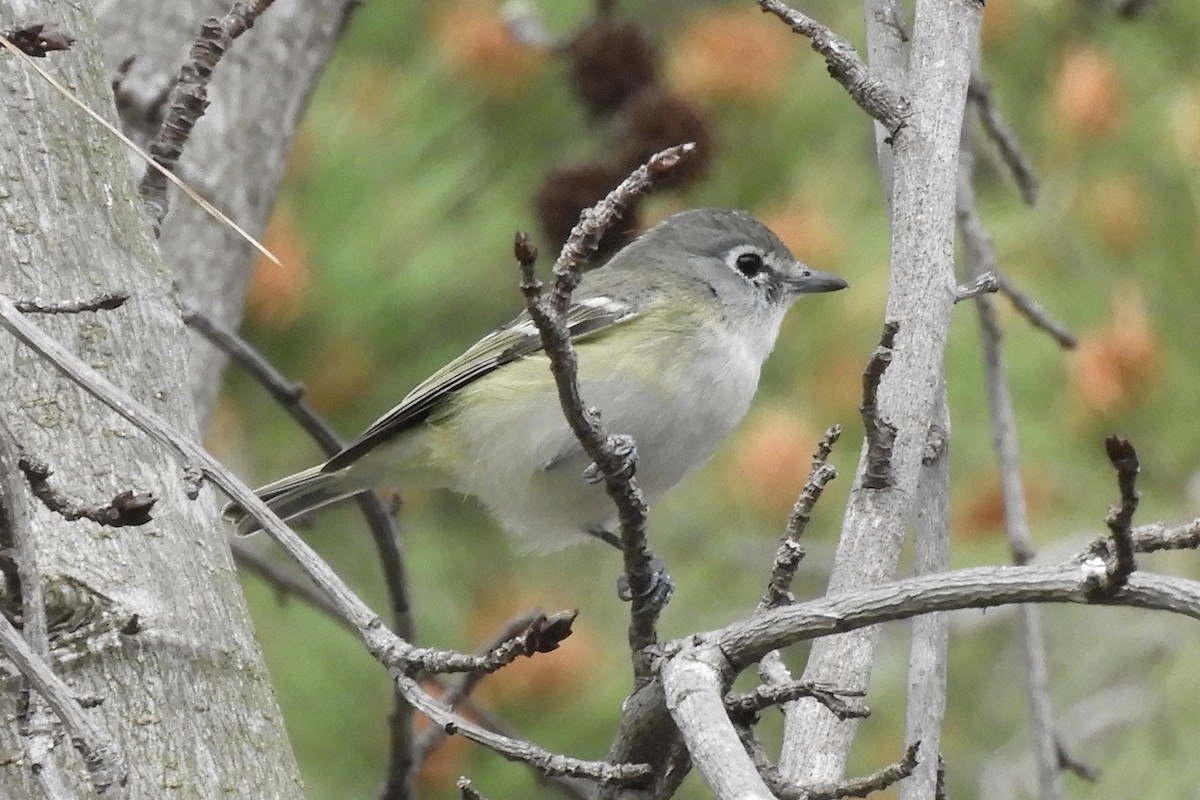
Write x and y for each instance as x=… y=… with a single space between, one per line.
x=412 y=173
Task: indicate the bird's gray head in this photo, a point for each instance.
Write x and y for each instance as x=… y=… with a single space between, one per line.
x=745 y=266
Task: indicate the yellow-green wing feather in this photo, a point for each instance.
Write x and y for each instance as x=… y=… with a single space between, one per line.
x=585 y=318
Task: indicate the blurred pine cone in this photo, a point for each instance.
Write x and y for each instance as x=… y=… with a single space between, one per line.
x=610 y=62
x=656 y=120
x=566 y=192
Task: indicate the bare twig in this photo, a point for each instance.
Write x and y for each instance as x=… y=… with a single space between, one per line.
x=1001 y=133
x=467 y=791
x=283 y=581
x=1151 y=538
x=36 y=722
x=399 y=657
x=124 y=509
x=743 y=643
x=881 y=433
x=1120 y=518
x=1037 y=315
x=980 y=258
x=866 y=89
x=104 y=302
x=987 y=283
x=461 y=690
x=104 y=763
x=380 y=523
x=287 y=393
x=1068 y=762
x=38 y=38
x=859 y=787
x=977 y=237
x=790 y=553
x=188 y=99
x=290 y=395
x=614 y=456
x=748 y=706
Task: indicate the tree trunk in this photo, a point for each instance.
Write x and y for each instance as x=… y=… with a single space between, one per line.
x=237 y=154
x=149 y=619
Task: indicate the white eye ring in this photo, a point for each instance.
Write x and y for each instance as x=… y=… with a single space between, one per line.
x=749 y=262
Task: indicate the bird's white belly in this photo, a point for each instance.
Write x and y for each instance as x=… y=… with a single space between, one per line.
x=526 y=465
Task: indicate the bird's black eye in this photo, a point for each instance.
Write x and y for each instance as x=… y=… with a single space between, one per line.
x=749 y=264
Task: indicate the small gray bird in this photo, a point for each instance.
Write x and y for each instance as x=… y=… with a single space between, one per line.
x=671 y=335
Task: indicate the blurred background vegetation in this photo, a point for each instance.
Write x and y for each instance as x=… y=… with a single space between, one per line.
x=426 y=142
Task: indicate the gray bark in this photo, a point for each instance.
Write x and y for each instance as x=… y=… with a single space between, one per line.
x=920 y=296
x=237 y=154
x=149 y=619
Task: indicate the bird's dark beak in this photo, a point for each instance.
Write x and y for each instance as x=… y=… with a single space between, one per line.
x=812 y=281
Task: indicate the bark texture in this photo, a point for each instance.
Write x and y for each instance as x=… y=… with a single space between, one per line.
x=237 y=154
x=148 y=619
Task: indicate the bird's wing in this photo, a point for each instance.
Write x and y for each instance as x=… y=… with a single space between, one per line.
x=520 y=338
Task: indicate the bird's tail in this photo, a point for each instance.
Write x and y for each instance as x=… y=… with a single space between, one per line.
x=292 y=496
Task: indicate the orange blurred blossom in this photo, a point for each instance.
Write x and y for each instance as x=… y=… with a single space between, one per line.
x=477 y=44
x=740 y=55
x=1089 y=100
x=277 y=294
x=771 y=459
x=1116 y=364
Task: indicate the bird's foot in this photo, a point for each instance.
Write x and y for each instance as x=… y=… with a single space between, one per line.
x=621 y=446
x=658 y=590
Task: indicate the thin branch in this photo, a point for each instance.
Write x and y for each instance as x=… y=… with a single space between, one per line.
x=1069 y=763
x=1036 y=314
x=866 y=89
x=980 y=258
x=125 y=509
x=1151 y=538
x=987 y=283
x=790 y=553
x=38 y=38
x=460 y=691
x=613 y=456
x=468 y=792
x=380 y=523
x=188 y=100
x=748 y=706
x=290 y=396
x=399 y=657
x=881 y=433
x=859 y=787
x=1120 y=518
x=103 y=302
x=283 y=581
x=977 y=237
x=104 y=762
x=743 y=643
x=979 y=92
